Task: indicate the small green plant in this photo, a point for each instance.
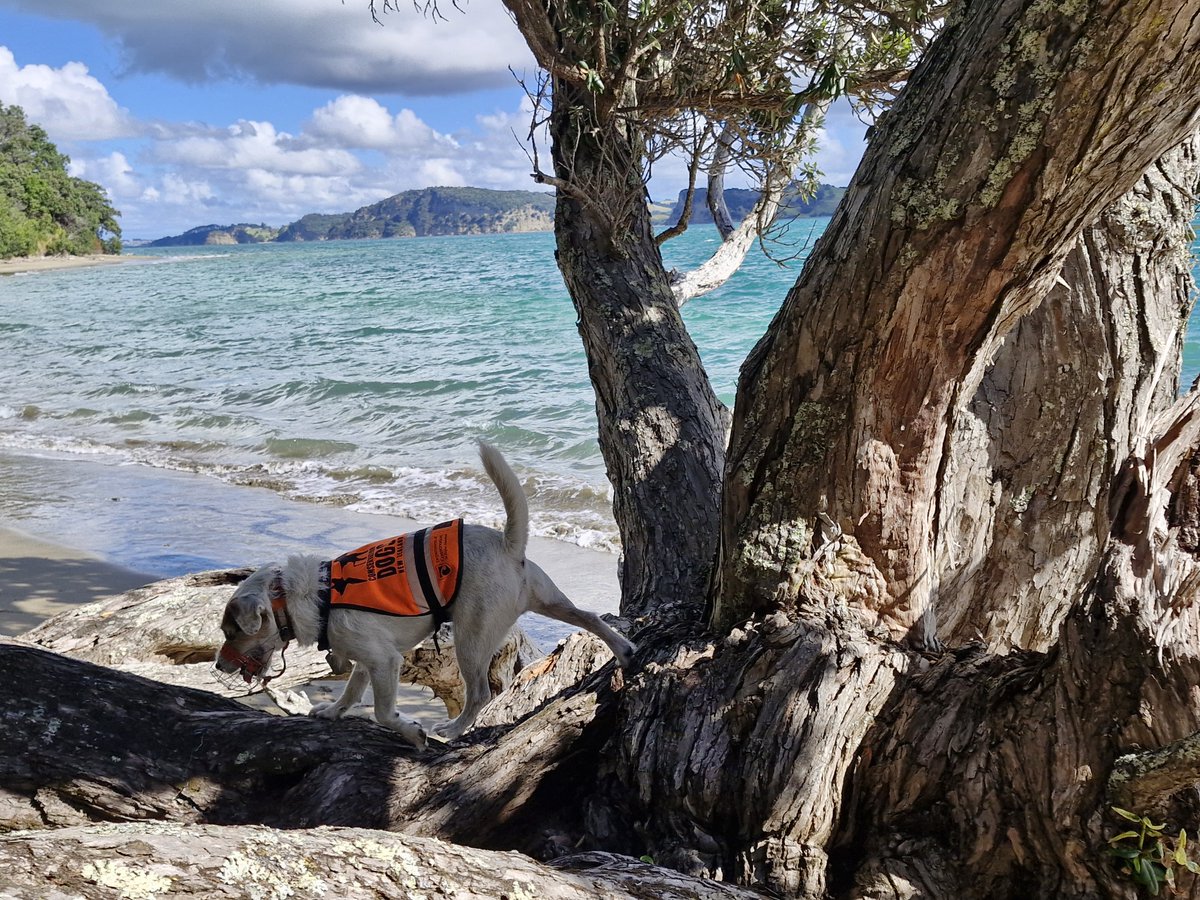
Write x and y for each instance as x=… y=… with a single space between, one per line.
x=1149 y=855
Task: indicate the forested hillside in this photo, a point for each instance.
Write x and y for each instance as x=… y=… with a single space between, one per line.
x=438 y=210
x=741 y=201
x=210 y=235
x=43 y=209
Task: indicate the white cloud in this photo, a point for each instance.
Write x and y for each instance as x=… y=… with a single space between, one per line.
x=363 y=123
x=176 y=189
x=112 y=171
x=317 y=43
x=440 y=173
x=256 y=145
x=68 y=102
x=840 y=144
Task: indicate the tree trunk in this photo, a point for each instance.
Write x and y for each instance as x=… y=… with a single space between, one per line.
x=661 y=427
x=956 y=225
x=1025 y=512
x=1022 y=746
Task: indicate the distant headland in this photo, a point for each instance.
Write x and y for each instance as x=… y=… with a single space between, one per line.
x=463 y=210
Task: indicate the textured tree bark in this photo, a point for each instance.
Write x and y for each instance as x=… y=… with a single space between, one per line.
x=1073 y=388
x=808 y=756
x=147 y=860
x=1021 y=745
x=971 y=193
x=661 y=427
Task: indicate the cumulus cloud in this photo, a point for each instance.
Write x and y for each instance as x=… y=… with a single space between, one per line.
x=68 y=102
x=364 y=123
x=840 y=144
x=316 y=43
x=113 y=172
x=256 y=145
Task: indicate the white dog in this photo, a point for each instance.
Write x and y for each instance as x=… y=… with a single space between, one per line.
x=472 y=575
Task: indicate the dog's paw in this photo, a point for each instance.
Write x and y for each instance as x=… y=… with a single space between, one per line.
x=328 y=710
x=625 y=656
x=409 y=729
x=417 y=737
x=448 y=730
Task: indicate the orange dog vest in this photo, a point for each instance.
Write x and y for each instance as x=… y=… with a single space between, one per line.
x=414 y=574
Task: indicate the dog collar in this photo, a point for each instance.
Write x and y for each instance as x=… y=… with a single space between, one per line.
x=279 y=608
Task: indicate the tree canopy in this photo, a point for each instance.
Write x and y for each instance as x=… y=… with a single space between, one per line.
x=43 y=209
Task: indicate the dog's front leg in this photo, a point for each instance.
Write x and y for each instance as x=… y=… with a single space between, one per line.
x=351 y=694
x=385 y=677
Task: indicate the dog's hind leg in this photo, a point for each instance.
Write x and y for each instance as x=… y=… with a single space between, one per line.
x=385 y=677
x=474 y=657
x=547 y=600
x=351 y=694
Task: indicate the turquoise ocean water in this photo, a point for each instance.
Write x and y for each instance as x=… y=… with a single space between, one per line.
x=356 y=374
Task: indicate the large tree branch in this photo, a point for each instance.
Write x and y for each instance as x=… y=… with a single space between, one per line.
x=955 y=226
x=81 y=743
x=1143 y=782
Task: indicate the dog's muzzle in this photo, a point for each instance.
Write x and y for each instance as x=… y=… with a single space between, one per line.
x=232 y=665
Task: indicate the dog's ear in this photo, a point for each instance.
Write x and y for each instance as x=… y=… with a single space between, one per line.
x=247 y=614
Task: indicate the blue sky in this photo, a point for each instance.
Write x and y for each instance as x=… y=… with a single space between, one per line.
x=263 y=110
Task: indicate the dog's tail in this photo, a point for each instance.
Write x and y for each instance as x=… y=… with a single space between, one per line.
x=516 y=528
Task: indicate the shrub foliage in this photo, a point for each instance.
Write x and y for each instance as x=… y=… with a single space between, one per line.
x=43 y=209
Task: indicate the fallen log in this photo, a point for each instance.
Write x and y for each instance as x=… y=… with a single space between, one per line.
x=148 y=860
x=81 y=743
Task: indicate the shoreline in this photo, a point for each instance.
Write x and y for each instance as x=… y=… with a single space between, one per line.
x=27 y=265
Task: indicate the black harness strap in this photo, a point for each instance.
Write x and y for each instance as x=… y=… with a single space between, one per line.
x=324 y=604
x=432 y=601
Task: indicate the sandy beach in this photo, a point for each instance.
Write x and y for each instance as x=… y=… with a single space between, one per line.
x=24 y=265
x=39 y=579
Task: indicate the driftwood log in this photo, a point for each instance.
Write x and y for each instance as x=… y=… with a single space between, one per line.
x=81 y=743
x=108 y=728
x=148 y=859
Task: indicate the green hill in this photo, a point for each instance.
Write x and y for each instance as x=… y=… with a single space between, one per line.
x=465 y=210
x=741 y=200
x=218 y=235
x=43 y=210
x=431 y=211
x=436 y=210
